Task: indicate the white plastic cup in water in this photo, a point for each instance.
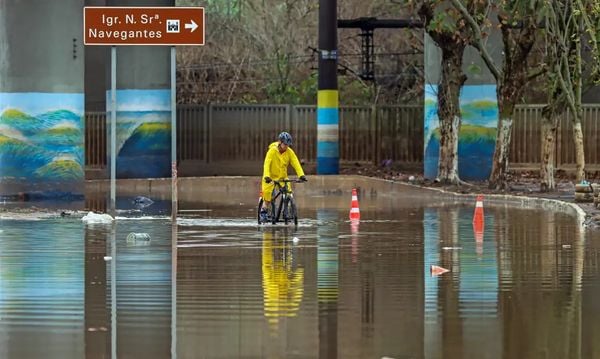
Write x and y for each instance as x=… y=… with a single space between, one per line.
x=131 y=237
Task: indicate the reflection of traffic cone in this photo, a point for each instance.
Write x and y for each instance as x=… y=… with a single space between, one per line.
x=436 y=270
x=478 y=233
x=478 y=215
x=354 y=245
x=354 y=211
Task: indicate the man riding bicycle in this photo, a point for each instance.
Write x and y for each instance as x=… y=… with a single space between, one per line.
x=279 y=157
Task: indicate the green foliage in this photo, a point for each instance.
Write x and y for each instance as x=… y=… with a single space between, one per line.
x=474 y=69
x=296 y=92
x=354 y=93
x=443 y=22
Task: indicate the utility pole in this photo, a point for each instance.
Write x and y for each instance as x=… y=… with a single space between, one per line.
x=328 y=156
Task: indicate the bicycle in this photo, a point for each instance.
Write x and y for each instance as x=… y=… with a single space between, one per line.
x=287 y=204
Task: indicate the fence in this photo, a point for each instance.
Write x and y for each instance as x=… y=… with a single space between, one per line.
x=527 y=138
x=230 y=137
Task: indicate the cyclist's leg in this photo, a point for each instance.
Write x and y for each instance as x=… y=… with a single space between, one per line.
x=289 y=186
x=267 y=191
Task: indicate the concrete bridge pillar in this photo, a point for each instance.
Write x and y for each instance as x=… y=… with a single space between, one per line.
x=143 y=106
x=479 y=109
x=41 y=98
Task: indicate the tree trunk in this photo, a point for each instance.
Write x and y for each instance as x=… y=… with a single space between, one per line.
x=549 y=129
x=501 y=152
x=451 y=81
x=578 y=113
x=510 y=90
x=579 y=150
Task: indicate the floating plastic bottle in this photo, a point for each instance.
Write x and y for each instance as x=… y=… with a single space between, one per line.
x=131 y=237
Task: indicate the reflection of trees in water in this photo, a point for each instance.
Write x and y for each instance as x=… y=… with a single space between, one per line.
x=283 y=285
x=521 y=294
x=541 y=280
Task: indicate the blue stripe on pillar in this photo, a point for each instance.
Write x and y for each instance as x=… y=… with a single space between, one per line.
x=328 y=116
x=327 y=132
x=328 y=165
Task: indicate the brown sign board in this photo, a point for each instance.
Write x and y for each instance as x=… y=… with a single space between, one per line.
x=113 y=25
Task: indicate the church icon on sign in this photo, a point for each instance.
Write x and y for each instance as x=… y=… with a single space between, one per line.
x=173 y=26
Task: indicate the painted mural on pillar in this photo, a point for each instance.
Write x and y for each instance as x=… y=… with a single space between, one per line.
x=143 y=133
x=41 y=137
x=477 y=139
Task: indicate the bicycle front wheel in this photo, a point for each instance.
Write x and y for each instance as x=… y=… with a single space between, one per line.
x=293 y=211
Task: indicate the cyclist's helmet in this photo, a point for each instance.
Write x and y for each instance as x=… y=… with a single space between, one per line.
x=285 y=138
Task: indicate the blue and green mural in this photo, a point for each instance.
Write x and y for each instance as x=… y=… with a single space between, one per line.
x=42 y=138
x=143 y=133
x=477 y=137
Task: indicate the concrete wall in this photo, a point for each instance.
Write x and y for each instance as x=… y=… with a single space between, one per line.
x=41 y=96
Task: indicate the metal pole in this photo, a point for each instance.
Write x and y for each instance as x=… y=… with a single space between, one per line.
x=173 y=135
x=328 y=103
x=174 y=290
x=113 y=290
x=113 y=129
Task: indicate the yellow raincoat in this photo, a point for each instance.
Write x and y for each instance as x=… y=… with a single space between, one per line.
x=276 y=165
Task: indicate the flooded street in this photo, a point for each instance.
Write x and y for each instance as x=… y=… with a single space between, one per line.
x=526 y=287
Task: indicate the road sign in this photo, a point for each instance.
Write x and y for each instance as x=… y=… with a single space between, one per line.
x=113 y=25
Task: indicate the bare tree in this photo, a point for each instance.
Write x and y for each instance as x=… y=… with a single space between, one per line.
x=260 y=51
x=565 y=31
x=518 y=22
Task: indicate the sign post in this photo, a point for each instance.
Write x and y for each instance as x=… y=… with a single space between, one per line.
x=113 y=130
x=143 y=26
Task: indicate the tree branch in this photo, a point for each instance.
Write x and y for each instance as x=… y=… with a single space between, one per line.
x=568 y=91
x=541 y=70
x=478 y=43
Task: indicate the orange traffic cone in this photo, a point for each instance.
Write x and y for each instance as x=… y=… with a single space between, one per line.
x=436 y=270
x=478 y=215
x=354 y=211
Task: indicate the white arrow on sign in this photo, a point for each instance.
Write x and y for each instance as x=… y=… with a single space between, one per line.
x=192 y=26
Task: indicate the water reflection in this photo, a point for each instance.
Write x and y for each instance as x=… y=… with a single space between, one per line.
x=128 y=291
x=327 y=282
x=283 y=281
x=526 y=287
x=97 y=313
x=41 y=289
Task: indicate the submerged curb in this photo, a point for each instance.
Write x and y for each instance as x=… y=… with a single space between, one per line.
x=509 y=200
x=217 y=190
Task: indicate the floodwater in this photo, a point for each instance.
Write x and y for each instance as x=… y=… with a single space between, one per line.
x=527 y=287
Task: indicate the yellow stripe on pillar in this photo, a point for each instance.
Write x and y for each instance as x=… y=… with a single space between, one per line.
x=328 y=99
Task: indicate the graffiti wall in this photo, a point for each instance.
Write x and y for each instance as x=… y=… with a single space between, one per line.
x=42 y=141
x=143 y=133
x=477 y=138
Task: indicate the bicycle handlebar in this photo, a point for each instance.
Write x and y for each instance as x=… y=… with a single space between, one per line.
x=288 y=181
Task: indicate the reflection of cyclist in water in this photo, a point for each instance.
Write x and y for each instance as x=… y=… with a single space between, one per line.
x=279 y=157
x=283 y=285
